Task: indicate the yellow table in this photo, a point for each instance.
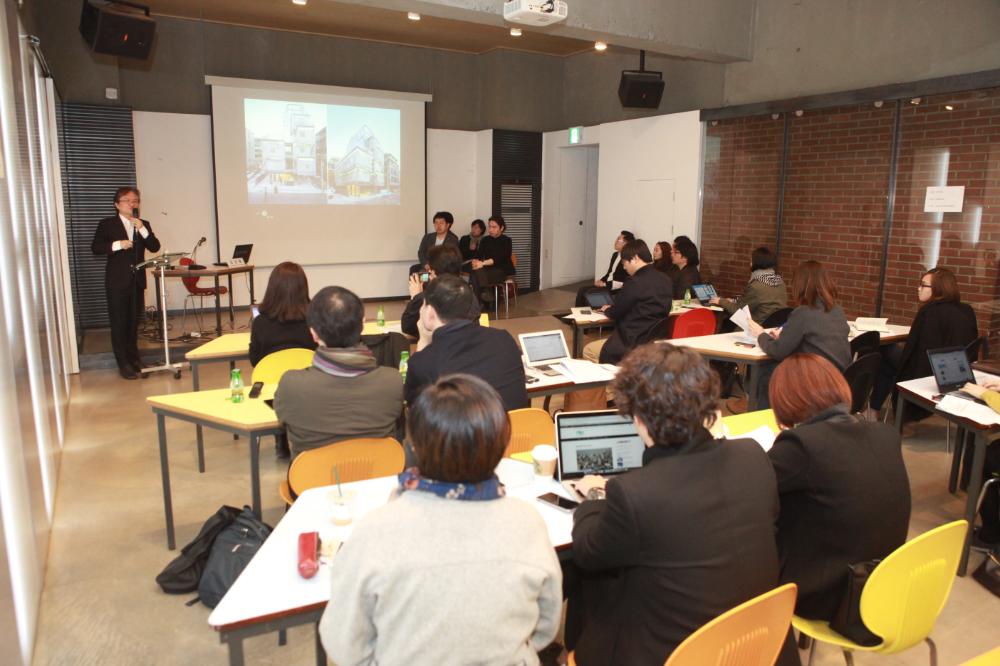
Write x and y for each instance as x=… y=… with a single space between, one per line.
x=213 y=409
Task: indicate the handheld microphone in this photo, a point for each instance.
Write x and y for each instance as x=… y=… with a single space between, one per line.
x=135 y=212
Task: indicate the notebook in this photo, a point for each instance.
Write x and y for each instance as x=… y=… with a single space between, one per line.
x=543 y=349
x=599 y=298
x=599 y=442
x=241 y=256
x=952 y=371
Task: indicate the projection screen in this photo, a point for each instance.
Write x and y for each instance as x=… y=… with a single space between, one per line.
x=318 y=174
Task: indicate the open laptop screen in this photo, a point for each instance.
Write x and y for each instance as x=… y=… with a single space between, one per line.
x=543 y=347
x=243 y=252
x=950 y=367
x=603 y=442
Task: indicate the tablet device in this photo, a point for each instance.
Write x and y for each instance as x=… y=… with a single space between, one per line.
x=599 y=298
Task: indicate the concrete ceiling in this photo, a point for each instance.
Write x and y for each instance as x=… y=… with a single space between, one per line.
x=709 y=30
x=363 y=21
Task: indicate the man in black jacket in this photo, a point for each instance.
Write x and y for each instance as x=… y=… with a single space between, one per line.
x=643 y=302
x=443 y=260
x=441 y=235
x=124 y=238
x=615 y=278
x=458 y=345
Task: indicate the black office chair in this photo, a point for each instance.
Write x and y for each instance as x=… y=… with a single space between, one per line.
x=978 y=349
x=860 y=376
x=659 y=331
x=864 y=344
x=777 y=318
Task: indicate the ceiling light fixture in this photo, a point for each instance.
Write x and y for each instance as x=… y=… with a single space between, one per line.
x=515 y=32
x=413 y=16
x=299 y=2
x=600 y=46
x=915 y=101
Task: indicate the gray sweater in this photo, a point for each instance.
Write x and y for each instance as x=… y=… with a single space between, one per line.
x=427 y=580
x=812 y=331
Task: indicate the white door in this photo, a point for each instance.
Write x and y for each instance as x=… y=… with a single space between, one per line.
x=576 y=222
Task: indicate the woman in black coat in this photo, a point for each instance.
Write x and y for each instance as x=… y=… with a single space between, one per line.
x=281 y=323
x=678 y=541
x=845 y=496
x=942 y=321
x=494 y=258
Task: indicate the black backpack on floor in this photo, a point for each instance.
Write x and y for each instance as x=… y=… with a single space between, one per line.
x=232 y=550
x=184 y=571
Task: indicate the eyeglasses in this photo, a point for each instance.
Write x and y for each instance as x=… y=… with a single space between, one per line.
x=924 y=285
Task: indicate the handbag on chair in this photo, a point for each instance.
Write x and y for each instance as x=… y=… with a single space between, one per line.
x=847 y=621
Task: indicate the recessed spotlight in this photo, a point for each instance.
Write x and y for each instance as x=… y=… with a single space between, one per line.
x=878 y=104
x=600 y=46
x=413 y=16
x=915 y=101
x=949 y=107
x=299 y=2
x=798 y=113
x=515 y=32
x=775 y=116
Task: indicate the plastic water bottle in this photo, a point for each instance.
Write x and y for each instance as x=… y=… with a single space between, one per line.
x=404 y=364
x=380 y=317
x=236 y=385
x=687 y=297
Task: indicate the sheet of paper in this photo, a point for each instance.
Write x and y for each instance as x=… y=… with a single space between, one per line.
x=593 y=316
x=582 y=372
x=872 y=324
x=742 y=318
x=968 y=409
x=947 y=199
x=762 y=435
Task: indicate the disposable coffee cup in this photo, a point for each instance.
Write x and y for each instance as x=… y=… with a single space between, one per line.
x=342 y=507
x=543 y=457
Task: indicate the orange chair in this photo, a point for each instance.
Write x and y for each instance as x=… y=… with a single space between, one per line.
x=700 y=321
x=528 y=428
x=354 y=460
x=194 y=291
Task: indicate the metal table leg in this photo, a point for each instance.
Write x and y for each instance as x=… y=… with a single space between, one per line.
x=218 y=308
x=168 y=509
x=577 y=341
x=232 y=317
x=320 y=651
x=255 y=473
x=235 y=651
x=196 y=386
x=900 y=409
x=975 y=482
x=753 y=376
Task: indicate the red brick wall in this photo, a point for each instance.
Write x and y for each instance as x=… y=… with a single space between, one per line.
x=835 y=186
x=740 y=203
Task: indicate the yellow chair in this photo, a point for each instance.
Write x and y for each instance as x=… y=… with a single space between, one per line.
x=749 y=635
x=991 y=658
x=903 y=596
x=354 y=459
x=274 y=365
x=529 y=427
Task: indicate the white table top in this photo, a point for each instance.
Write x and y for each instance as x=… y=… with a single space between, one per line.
x=926 y=388
x=271 y=583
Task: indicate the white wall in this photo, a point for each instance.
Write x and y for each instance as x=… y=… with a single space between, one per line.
x=174 y=172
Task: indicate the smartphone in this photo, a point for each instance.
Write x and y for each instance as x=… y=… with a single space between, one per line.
x=528 y=379
x=558 y=501
x=255 y=389
x=425 y=277
x=745 y=344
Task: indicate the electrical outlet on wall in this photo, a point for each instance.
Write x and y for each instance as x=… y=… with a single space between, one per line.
x=111 y=93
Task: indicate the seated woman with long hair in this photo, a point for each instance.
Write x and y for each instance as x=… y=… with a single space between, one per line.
x=845 y=496
x=281 y=323
x=450 y=571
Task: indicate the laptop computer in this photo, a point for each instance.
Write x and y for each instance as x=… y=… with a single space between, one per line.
x=598 y=442
x=703 y=293
x=952 y=371
x=598 y=298
x=544 y=349
x=241 y=255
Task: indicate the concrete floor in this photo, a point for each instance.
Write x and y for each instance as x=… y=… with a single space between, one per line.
x=100 y=604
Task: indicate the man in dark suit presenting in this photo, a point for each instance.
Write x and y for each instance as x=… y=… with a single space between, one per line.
x=124 y=238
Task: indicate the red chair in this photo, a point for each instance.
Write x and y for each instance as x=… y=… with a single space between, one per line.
x=194 y=291
x=693 y=323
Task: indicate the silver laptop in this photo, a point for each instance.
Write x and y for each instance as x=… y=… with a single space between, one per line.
x=599 y=442
x=543 y=350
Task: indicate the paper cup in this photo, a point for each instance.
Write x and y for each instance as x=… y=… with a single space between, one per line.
x=342 y=507
x=544 y=458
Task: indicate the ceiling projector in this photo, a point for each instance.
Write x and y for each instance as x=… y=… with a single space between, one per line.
x=534 y=12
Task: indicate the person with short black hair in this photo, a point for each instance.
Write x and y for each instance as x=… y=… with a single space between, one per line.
x=616 y=275
x=344 y=394
x=124 y=238
x=461 y=573
x=442 y=260
x=661 y=550
x=643 y=302
x=451 y=343
x=494 y=260
x=684 y=255
x=441 y=235
x=281 y=322
x=469 y=244
x=764 y=293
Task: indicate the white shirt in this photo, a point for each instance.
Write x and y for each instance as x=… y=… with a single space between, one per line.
x=607 y=278
x=129 y=229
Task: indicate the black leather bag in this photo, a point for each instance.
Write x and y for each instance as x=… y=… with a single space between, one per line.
x=184 y=571
x=847 y=622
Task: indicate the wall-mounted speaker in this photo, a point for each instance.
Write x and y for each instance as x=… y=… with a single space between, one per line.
x=641 y=89
x=109 y=27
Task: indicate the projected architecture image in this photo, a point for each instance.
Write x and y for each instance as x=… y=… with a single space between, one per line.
x=300 y=153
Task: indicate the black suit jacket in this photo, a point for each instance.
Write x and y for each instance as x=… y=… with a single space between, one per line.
x=618 y=275
x=427 y=242
x=937 y=324
x=465 y=346
x=686 y=537
x=641 y=303
x=845 y=498
x=119 y=271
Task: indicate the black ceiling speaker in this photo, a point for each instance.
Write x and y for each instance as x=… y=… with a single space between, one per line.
x=117 y=28
x=641 y=89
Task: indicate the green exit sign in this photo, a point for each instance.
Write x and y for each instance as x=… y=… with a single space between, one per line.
x=575 y=135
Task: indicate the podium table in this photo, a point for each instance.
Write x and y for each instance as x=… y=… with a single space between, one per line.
x=214 y=272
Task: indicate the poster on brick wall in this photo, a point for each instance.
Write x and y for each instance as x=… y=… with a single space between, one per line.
x=944 y=199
